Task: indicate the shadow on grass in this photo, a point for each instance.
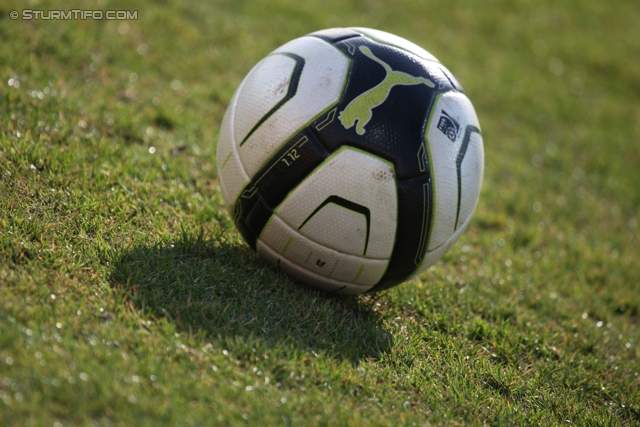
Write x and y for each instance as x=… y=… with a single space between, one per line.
x=224 y=291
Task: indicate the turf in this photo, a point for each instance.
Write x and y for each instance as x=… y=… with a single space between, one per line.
x=128 y=298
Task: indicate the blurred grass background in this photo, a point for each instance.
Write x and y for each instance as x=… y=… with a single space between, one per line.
x=127 y=298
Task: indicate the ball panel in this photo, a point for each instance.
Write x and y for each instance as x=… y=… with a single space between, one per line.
x=230 y=170
x=454 y=82
x=320 y=85
x=414 y=219
x=334 y=35
x=385 y=104
x=266 y=85
x=355 y=177
x=315 y=280
x=448 y=136
x=349 y=230
x=432 y=256
x=471 y=170
x=395 y=41
x=251 y=222
x=296 y=248
x=291 y=164
x=308 y=277
x=232 y=178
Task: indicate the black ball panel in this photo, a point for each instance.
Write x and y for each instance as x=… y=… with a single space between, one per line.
x=396 y=127
x=269 y=187
x=334 y=35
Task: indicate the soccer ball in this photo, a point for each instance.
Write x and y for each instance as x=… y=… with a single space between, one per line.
x=351 y=158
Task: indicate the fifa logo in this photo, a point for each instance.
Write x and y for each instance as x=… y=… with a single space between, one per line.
x=449 y=126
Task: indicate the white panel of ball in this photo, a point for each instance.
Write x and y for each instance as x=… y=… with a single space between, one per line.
x=444 y=153
x=332 y=240
x=360 y=178
x=308 y=277
x=264 y=87
x=349 y=270
x=320 y=86
x=434 y=255
x=232 y=174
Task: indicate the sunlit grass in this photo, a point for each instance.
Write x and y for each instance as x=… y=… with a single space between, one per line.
x=127 y=297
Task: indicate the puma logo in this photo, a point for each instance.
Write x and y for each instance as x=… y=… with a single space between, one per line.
x=360 y=109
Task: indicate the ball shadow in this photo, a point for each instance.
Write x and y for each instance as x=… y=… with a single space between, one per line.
x=223 y=290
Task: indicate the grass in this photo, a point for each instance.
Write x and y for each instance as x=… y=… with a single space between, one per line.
x=127 y=297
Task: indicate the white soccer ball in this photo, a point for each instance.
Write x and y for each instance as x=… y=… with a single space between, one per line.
x=351 y=158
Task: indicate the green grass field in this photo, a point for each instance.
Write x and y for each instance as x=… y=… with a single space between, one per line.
x=128 y=299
